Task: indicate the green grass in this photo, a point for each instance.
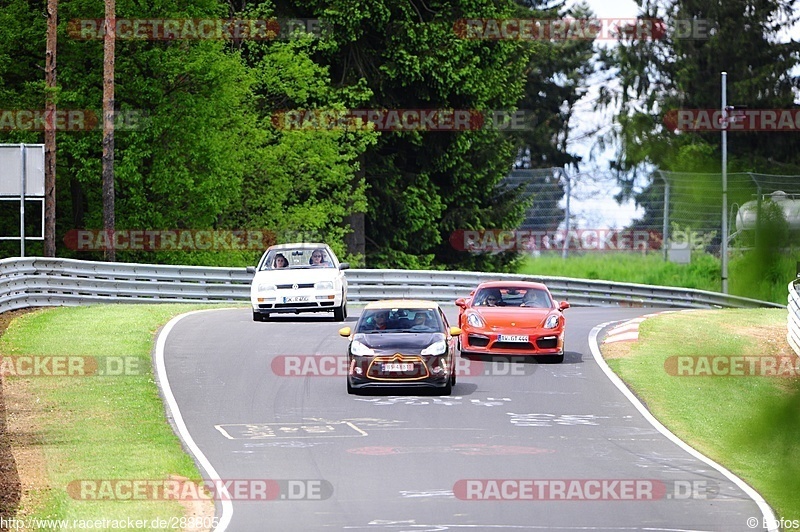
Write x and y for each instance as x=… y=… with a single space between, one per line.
x=749 y=424
x=99 y=427
x=747 y=276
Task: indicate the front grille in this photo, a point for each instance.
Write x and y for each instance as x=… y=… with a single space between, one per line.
x=418 y=369
x=327 y=303
x=290 y=286
x=512 y=345
x=547 y=343
x=477 y=341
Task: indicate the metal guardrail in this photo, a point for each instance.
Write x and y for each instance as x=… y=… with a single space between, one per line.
x=793 y=321
x=35 y=281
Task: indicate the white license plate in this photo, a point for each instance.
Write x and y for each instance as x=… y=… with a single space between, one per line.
x=512 y=338
x=295 y=299
x=395 y=366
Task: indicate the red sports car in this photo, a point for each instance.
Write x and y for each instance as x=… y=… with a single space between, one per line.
x=512 y=318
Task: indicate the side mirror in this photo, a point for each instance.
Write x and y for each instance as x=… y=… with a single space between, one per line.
x=344 y=265
x=455 y=331
x=344 y=331
x=461 y=302
x=251 y=269
x=563 y=305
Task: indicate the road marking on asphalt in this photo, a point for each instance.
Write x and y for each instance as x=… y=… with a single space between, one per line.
x=177 y=418
x=292 y=431
x=551 y=420
x=628 y=331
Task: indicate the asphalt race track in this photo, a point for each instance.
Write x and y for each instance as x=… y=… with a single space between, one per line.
x=516 y=446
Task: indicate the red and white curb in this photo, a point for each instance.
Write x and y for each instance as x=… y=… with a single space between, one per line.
x=628 y=331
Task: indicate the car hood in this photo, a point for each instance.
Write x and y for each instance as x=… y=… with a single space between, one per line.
x=519 y=317
x=300 y=275
x=414 y=341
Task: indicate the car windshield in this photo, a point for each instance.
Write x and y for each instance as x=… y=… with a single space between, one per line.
x=399 y=320
x=513 y=297
x=297 y=258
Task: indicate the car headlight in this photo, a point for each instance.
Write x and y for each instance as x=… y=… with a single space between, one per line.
x=266 y=287
x=324 y=285
x=475 y=321
x=552 y=322
x=360 y=350
x=436 y=348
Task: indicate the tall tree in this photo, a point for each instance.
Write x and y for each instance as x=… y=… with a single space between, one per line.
x=556 y=79
x=682 y=70
x=424 y=185
x=50 y=132
x=109 y=42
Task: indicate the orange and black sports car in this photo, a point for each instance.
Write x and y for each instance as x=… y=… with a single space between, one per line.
x=512 y=318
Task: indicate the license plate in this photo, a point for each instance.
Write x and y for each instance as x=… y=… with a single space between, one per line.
x=512 y=338
x=398 y=366
x=295 y=299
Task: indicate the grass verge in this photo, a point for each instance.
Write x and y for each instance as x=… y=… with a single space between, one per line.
x=64 y=429
x=748 y=277
x=749 y=424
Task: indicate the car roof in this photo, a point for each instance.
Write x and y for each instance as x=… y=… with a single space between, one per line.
x=298 y=245
x=514 y=284
x=401 y=303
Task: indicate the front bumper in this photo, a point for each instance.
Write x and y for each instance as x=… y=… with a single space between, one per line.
x=540 y=342
x=390 y=370
x=314 y=302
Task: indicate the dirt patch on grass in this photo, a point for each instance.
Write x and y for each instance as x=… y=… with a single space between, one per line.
x=770 y=338
x=617 y=349
x=10 y=485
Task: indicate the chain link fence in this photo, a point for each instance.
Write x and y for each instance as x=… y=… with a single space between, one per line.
x=675 y=213
x=692 y=207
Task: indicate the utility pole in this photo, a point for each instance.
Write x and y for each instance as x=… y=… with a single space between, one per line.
x=724 y=245
x=50 y=131
x=109 y=45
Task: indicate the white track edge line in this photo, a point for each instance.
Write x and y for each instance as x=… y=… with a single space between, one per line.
x=766 y=510
x=183 y=431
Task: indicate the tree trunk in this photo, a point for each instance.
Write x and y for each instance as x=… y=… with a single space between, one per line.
x=109 y=41
x=50 y=132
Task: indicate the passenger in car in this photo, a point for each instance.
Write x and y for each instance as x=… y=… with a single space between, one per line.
x=535 y=298
x=281 y=261
x=381 y=321
x=493 y=298
x=318 y=258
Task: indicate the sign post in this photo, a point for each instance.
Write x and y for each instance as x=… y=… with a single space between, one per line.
x=22 y=177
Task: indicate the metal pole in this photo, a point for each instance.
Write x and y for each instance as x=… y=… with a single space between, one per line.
x=22 y=205
x=724 y=246
x=566 y=219
x=665 y=226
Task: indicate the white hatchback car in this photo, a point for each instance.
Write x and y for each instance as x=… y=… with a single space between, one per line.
x=298 y=278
